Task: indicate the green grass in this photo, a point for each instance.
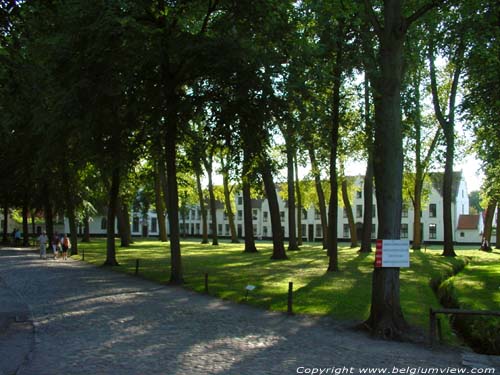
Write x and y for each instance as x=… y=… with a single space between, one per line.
x=344 y=295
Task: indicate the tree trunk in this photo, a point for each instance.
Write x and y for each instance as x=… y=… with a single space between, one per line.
x=321 y=196
x=86 y=228
x=112 y=209
x=203 y=209
x=176 y=276
x=47 y=213
x=73 y=230
x=228 y=203
x=488 y=225
x=5 y=236
x=386 y=316
x=350 y=216
x=448 y=248
x=164 y=187
x=247 y=204
x=497 y=234
x=274 y=211
x=33 y=224
x=160 y=209
x=299 y=205
x=123 y=223
x=213 y=208
x=366 y=238
x=292 y=223
x=26 y=230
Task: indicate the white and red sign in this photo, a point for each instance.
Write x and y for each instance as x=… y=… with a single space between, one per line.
x=392 y=253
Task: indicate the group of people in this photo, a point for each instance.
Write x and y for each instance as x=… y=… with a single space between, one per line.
x=60 y=245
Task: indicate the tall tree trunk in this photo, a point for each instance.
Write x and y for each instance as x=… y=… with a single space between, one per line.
x=448 y=248
x=350 y=216
x=164 y=187
x=386 y=316
x=497 y=235
x=160 y=208
x=228 y=203
x=86 y=228
x=112 y=208
x=213 y=208
x=73 y=230
x=70 y=207
x=488 y=225
x=321 y=195
x=299 y=205
x=26 y=230
x=274 y=211
x=366 y=237
x=123 y=223
x=247 y=204
x=176 y=276
x=47 y=213
x=5 y=236
x=292 y=222
x=333 y=263
x=203 y=209
x=33 y=224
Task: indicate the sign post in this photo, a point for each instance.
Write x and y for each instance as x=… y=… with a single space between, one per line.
x=392 y=253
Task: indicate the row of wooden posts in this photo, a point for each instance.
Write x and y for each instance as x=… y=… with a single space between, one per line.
x=434 y=322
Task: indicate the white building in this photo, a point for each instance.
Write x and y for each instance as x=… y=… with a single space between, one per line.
x=467 y=228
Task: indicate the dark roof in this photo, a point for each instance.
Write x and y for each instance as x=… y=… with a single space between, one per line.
x=437 y=182
x=468 y=222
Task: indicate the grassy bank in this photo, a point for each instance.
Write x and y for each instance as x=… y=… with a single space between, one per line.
x=344 y=295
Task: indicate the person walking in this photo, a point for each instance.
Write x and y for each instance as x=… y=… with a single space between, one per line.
x=66 y=244
x=42 y=240
x=56 y=244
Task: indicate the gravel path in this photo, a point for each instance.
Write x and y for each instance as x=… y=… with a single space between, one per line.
x=89 y=320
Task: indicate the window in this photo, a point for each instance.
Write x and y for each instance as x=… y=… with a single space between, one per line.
x=240 y=200
x=374 y=231
x=255 y=229
x=264 y=231
x=282 y=215
x=462 y=234
x=197 y=228
x=432 y=231
x=154 y=224
x=227 y=229
x=347 y=231
x=254 y=214
x=359 y=194
x=432 y=210
x=104 y=223
x=304 y=214
x=359 y=211
x=319 y=231
x=304 y=230
x=317 y=214
x=240 y=215
x=264 y=216
x=193 y=214
x=135 y=224
x=344 y=214
x=225 y=216
x=374 y=211
x=404 y=211
x=219 y=229
x=404 y=231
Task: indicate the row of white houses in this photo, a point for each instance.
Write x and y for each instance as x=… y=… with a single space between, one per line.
x=467 y=228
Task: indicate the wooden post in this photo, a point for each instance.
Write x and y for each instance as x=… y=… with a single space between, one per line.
x=206 y=282
x=290 y=298
x=432 y=326
x=136 y=267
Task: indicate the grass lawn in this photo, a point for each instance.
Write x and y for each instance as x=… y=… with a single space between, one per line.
x=344 y=295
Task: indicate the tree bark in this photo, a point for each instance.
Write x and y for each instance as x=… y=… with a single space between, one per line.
x=26 y=230
x=292 y=223
x=176 y=276
x=5 y=236
x=123 y=223
x=448 y=248
x=366 y=238
x=228 y=203
x=321 y=196
x=164 y=187
x=350 y=216
x=274 y=211
x=299 y=205
x=86 y=228
x=160 y=209
x=213 y=208
x=488 y=225
x=112 y=208
x=247 y=204
x=203 y=209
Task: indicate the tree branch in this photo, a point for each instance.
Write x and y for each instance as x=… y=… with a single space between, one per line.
x=211 y=8
x=420 y=12
x=435 y=96
x=373 y=17
x=456 y=76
